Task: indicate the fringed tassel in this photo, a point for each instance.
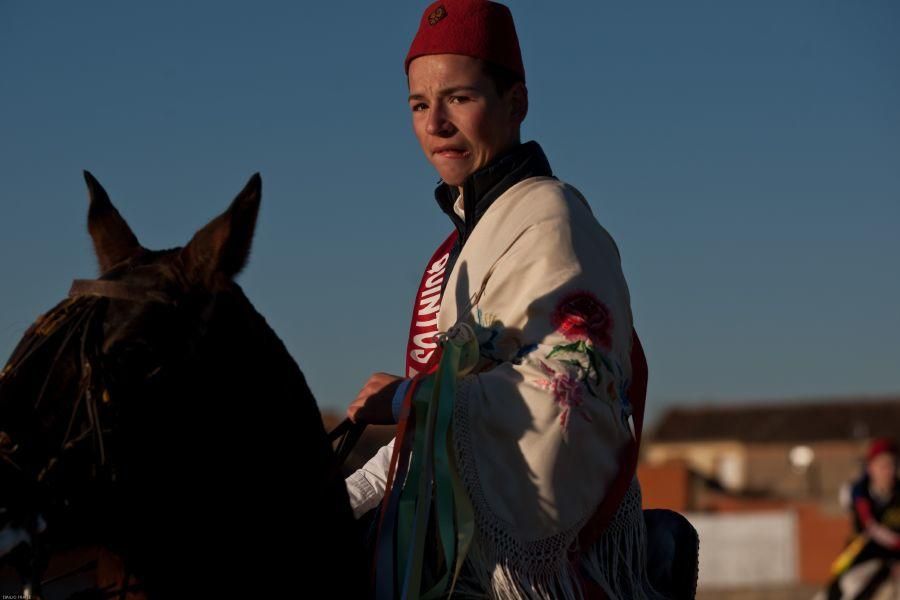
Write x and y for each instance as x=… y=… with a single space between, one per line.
x=616 y=562
x=486 y=570
x=502 y=568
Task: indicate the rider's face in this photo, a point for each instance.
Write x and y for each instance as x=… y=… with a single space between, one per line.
x=883 y=470
x=458 y=117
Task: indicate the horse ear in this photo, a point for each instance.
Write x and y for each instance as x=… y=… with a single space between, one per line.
x=223 y=246
x=113 y=238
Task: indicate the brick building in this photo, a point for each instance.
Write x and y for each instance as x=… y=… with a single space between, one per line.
x=749 y=463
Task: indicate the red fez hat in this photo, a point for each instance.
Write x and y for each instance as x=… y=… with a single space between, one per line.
x=881 y=446
x=477 y=28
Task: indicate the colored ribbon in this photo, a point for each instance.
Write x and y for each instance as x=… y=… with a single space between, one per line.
x=432 y=486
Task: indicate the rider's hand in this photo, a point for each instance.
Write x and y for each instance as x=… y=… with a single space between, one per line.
x=373 y=403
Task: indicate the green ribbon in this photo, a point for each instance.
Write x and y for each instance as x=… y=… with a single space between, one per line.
x=432 y=464
x=415 y=498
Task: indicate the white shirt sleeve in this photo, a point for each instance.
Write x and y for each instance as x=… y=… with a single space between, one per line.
x=366 y=485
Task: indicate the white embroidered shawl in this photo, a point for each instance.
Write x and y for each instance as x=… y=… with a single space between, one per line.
x=539 y=431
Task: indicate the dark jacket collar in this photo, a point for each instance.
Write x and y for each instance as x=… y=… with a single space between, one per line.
x=485 y=185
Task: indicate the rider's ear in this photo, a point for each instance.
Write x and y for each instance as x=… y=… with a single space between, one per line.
x=222 y=247
x=517 y=97
x=112 y=237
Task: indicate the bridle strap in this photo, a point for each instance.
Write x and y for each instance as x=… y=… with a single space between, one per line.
x=117 y=290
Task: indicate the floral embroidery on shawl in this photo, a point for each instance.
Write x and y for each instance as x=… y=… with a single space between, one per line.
x=586 y=321
x=566 y=392
x=580 y=315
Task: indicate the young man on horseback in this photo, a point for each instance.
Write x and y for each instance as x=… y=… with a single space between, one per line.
x=525 y=412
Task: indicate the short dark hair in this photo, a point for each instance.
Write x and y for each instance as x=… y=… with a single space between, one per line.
x=502 y=77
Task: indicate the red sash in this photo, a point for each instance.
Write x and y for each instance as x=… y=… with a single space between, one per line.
x=421 y=347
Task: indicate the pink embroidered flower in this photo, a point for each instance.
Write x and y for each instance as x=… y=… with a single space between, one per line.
x=580 y=315
x=567 y=392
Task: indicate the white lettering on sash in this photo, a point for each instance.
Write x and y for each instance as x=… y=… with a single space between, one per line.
x=432 y=305
x=421 y=356
x=439 y=264
x=435 y=279
x=420 y=340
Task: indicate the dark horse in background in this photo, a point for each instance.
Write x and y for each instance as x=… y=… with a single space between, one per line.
x=154 y=413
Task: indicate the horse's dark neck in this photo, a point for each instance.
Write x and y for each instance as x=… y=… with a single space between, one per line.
x=247 y=373
x=246 y=361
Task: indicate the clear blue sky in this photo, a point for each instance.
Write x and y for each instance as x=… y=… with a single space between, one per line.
x=744 y=155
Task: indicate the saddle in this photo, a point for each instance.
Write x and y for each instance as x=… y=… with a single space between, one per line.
x=673 y=553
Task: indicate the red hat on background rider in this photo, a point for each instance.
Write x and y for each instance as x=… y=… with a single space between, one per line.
x=476 y=28
x=881 y=446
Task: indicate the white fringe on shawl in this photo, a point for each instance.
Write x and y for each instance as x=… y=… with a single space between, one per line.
x=500 y=566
